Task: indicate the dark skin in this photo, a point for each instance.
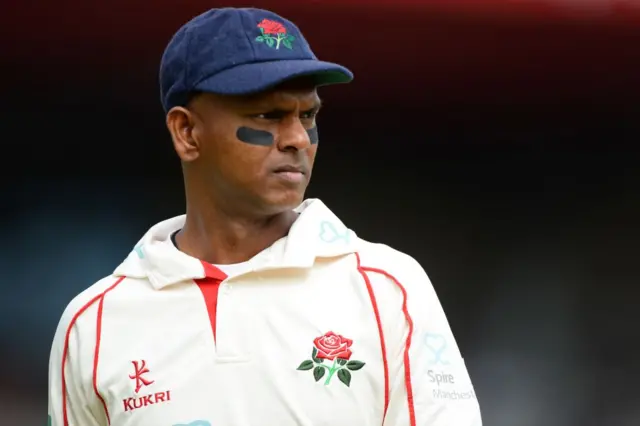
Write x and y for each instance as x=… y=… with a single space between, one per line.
x=237 y=202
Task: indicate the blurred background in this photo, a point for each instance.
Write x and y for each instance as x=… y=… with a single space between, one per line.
x=495 y=141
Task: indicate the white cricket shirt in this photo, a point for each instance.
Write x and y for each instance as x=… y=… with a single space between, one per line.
x=320 y=329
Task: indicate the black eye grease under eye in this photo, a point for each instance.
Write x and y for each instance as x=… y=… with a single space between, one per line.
x=254 y=136
x=264 y=138
x=313 y=134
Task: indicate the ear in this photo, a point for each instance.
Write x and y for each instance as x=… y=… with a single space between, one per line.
x=181 y=124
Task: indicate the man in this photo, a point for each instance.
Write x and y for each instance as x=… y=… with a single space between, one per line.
x=255 y=308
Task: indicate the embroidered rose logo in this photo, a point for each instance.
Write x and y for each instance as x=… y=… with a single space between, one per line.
x=336 y=350
x=274 y=34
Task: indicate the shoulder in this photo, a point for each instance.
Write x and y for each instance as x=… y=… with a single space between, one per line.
x=81 y=306
x=404 y=271
x=394 y=262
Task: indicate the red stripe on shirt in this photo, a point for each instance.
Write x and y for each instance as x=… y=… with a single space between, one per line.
x=407 y=362
x=97 y=350
x=65 y=351
x=383 y=345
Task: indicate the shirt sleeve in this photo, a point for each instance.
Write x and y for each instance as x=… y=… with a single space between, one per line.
x=72 y=401
x=429 y=384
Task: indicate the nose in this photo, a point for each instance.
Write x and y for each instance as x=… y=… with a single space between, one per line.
x=293 y=136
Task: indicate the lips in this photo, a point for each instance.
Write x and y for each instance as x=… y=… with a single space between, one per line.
x=289 y=169
x=292 y=175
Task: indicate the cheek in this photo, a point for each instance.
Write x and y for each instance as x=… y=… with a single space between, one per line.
x=244 y=163
x=237 y=163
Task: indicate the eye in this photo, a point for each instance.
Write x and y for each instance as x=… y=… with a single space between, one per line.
x=308 y=115
x=271 y=115
x=276 y=115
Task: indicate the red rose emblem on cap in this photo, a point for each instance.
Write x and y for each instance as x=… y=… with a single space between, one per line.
x=272 y=27
x=332 y=346
x=336 y=348
x=274 y=34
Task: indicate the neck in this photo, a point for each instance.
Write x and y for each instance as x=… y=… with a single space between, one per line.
x=219 y=238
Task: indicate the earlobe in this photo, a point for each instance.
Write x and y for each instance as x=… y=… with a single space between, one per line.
x=181 y=125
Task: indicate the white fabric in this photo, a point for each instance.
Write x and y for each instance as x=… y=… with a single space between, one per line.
x=268 y=318
x=234 y=269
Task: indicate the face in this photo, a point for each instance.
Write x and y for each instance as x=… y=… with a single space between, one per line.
x=249 y=152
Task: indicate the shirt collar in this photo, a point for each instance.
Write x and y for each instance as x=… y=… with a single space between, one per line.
x=316 y=233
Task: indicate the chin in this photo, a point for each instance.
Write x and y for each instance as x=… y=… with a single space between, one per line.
x=283 y=201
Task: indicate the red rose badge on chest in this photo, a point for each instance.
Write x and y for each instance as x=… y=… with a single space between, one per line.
x=336 y=350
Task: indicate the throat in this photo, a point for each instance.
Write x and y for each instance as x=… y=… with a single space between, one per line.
x=229 y=242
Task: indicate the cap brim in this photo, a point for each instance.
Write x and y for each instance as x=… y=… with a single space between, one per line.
x=257 y=77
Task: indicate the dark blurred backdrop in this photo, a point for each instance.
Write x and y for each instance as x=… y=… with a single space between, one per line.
x=493 y=141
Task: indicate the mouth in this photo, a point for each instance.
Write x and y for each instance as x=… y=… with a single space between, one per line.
x=289 y=169
x=290 y=173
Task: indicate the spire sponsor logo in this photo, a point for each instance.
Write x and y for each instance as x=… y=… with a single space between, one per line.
x=447 y=376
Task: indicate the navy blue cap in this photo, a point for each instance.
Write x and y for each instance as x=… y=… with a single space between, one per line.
x=239 y=51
